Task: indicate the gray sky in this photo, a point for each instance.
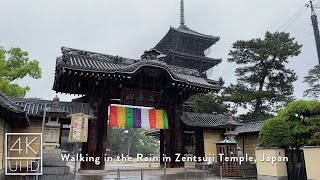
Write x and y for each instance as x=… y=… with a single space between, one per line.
x=128 y=27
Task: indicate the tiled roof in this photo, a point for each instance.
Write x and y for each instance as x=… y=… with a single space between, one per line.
x=250 y=127
x=203 y=58
x=186 y=30
x=34 y=107
x=19 y=117
x=204 y=120
x=212 y=121
x=184 y=59
x=86 y=61
x=10 y=105
x=153 y=132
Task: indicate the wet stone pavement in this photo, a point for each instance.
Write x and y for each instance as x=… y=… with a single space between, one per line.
x=132 y=171
x=191 y=174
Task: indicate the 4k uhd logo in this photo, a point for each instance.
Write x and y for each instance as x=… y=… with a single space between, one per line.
x=23 y=154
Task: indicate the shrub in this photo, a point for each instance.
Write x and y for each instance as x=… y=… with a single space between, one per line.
x=275 y=132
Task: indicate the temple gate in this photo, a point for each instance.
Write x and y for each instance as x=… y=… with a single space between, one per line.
x=170 y=72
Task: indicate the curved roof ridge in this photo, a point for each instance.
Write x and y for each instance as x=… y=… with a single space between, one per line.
x=67 y=51
x=8 y=103
x=185 y=29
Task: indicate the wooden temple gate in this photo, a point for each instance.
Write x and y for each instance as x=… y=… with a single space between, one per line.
x=102 y=88
x=174 y=76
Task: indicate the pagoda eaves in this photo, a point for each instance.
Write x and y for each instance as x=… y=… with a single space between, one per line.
x=188 y=43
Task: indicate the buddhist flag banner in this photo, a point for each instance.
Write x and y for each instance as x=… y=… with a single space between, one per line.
x=130 y=117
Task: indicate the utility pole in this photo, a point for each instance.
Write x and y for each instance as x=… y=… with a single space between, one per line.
x=314 y=21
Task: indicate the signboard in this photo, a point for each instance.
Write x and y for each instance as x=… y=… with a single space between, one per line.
x=79 y=128
x=140 y=97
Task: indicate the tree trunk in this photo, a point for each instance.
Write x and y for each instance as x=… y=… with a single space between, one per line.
x=258 y=106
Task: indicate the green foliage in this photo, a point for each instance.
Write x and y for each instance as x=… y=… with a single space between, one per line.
x=275 y=133
x=264 y=83
x=314 y=130
x=208 y=103
x=14 y=65
x=120 y=140
x=303 y=120
x=313 y=79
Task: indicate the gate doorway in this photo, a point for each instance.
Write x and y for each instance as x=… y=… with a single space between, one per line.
x=296 y=167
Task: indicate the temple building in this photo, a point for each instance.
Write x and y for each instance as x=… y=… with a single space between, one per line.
x=163 y=78
x=25 y=115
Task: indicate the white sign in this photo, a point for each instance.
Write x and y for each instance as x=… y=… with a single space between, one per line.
x=79 y=128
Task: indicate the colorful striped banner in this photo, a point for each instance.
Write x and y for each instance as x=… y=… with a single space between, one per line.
x=121 y=116
x=129 y=117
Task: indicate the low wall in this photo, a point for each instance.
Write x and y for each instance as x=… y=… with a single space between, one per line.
x=248 y=144
x=210 y=138
x=312 y=162
x=267 y=167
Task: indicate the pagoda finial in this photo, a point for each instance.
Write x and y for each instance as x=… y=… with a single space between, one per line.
x=182 y=12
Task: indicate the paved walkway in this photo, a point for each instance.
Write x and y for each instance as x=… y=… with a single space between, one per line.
x=132 y=171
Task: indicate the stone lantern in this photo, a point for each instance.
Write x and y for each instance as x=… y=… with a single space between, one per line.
x=53 y=113
x=230 y=126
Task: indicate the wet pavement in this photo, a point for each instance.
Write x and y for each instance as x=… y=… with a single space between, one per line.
x=149 y=174
x=171 y=174
x=132 y=171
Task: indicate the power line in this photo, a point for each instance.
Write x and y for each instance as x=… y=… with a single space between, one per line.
x=225 y=72
x=294 y=17
x=285 y=26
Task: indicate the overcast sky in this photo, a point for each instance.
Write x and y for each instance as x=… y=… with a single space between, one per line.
x=128 y=27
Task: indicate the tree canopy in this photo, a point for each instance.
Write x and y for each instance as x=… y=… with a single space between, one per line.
x=298 y=124
x=122 y=141
x=15 y=64
x=313 y=79
x=264 y=83
x=208 y=103
x=275 y=133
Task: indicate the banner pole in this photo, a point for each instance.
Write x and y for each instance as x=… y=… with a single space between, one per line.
x=75 y=162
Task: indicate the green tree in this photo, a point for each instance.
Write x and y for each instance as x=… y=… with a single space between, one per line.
x=264 y=83
x=298 y=124
x=14 y=65
x=120 y=141
x=208 y=103
x=275 y=133
x=313 y=79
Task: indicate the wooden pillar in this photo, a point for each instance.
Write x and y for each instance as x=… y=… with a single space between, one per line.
x=161 y=147
x=174 y=139
x=102 y=122
x=179 y=139
x=88 y=148
x=199 y=149
x=97 y=140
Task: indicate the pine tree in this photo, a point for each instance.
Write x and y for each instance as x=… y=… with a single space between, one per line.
x=313 y=79
x=264 y=83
